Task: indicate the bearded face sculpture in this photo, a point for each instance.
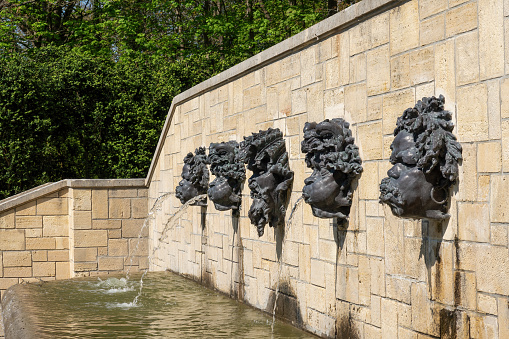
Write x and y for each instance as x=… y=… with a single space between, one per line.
x=425 y=155
x=195 y=177
x=333 y=156
x=225 y=189
x=265 y=154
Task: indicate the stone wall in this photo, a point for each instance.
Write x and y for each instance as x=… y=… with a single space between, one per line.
x=72 y=228
x=378 y=276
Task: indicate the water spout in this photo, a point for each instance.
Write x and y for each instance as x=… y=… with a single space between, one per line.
x=170 y=223
x=280 y=268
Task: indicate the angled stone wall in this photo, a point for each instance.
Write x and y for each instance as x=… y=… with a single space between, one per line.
x=72 y=228
x=378 y=276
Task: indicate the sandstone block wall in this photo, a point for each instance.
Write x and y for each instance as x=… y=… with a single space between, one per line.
x=72 y=227
x=378 y=276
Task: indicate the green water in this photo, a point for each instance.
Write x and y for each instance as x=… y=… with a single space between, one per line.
x=169 y=307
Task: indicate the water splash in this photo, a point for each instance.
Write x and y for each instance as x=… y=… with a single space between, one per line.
x=155 y=207
x=170 y=224
x=280 y=268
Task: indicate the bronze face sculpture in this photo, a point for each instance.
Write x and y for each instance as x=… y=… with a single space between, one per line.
x=195 y=177
x=425 y=156
x=265 y=154
x=225 y=189
x=333 y=156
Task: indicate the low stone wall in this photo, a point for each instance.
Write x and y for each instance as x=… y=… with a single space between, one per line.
x=379 y=276
x=72 y=227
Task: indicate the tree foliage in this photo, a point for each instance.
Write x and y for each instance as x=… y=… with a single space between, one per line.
x=85 y=85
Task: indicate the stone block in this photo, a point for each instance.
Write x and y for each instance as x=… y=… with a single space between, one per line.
x=131 y=228
x=445 y=74
x=308 y=61
x=40 y=255
x=369 y=140
x=498 y=198
x=355 y=103
x=82 y=220
x=432 y=29
x=100 y=203
x=394 y=104
x=375 y=236
x=428 y=8
x=489 y=157
x=389 y=318
x=82 y=199
x=17 y=272
x=378 y=70
x=499 y=235
x=486 y=304
x=29 y=208
x=404 y=27
x=494 y=109
x=493 y=262
x=123 y=192
x=468 y=174
x=7 y=219
x=58 y=255
x=120 y=208
x=368 y=182
x=85 y=254
x=63 y=270
x=55 y=226
x=491 y=38
x=360 y=37
x=111 y=264
x=117 y=247
x=461 y=19
x=474 y=222
x=105 y=224
x=400 y=71
x=358 y=68
x=304 y=262
x=28 y=221
x=472 y=113
x=62 y=243
x=375 y=108
x=467 y=59
x=40 y=244
x=52 y=206
x=139 y=208
x=85 y=267
x=17 y=258
x=503 y=317
x=332 y=76
x=422 y=65
x=5 y=283
x=315 y=102
x=318 y=272
x=415 y=267
x=343 y=42
x=90 y=238
x=44 y=269
x=504 y=94
x=394 y=235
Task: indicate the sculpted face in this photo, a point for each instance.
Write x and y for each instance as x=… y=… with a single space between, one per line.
x=224 y=190
x=331 y=154
x=408 y=190
x=265 y=155
x=195 y=178
x=186 y=190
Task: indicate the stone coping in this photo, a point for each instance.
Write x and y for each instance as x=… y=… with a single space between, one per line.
x=348 y=17
x=52 y=187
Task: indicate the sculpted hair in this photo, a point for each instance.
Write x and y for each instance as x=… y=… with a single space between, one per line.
x=199 y=174
x=432 y=127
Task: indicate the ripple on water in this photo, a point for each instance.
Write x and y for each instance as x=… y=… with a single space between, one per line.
x=170 y=307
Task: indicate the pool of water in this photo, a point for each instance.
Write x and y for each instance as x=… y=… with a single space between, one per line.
x=169 y=306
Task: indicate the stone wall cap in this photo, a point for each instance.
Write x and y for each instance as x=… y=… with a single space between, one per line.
x=48 y=188
x=348 y=17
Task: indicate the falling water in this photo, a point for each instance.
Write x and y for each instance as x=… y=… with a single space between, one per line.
x=170 y=223
x=280 y=268
x=155 y=207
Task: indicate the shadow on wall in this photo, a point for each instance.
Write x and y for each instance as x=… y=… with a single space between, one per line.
x=287 y=307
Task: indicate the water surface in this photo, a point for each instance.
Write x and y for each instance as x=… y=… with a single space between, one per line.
x=170 y=306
